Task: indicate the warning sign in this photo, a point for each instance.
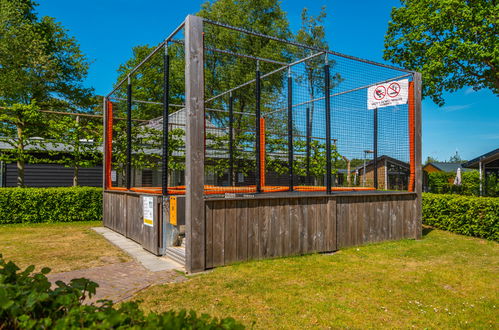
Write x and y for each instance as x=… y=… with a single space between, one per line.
x=385 y=95
x=148 y=207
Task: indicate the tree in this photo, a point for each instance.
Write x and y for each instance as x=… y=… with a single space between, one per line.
x=456 y=158
x=40 y=66
x=431 y=159
x=453 y=43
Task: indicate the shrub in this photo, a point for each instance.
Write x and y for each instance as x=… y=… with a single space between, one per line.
x=30 y=205
x=467 y=215
x=443 y=183
x=27 y=301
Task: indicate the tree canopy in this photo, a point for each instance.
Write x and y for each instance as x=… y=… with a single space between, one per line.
x=453 y=43
x=39 y=61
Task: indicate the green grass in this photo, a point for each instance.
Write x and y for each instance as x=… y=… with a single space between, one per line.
x=442 y=281
x=59 y=246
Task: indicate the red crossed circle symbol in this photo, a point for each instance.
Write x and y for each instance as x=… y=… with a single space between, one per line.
x=393 y=89
x=379 y=92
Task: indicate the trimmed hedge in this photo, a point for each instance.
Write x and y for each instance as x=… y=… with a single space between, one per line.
x=28 y=301
x=32 y=205
x=466 y=215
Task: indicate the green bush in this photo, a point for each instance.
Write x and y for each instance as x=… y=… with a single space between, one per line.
x=466 y=215
x=27 y=301
x=30 y=205
x=443 y=183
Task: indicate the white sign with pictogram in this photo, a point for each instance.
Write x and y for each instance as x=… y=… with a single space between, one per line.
x=385 y=95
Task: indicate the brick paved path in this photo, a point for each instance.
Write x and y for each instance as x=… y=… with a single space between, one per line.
x=120 y=281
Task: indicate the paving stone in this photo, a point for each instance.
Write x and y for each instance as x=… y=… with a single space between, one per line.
x=120 y=281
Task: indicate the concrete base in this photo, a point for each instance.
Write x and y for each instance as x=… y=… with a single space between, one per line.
x=135 y=250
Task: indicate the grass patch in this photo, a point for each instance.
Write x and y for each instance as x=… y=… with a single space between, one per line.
x=444 y=280
x=60 y=246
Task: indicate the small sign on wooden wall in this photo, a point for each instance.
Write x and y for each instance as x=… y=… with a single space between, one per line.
x=173 y=210
x=148 y=207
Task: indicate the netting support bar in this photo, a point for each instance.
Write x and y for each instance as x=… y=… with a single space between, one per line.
x=328 y=126
x=308 y=142
x=375 y=148
x=231 y=140
x=166 y=99
x=290 y=131
x=258 y=130
x=129 y=134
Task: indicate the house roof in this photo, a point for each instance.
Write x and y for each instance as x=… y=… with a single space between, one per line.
x=381 y=159
x=446 y=167
x=489 y=160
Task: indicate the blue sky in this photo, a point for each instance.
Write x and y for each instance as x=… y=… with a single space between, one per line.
x=107 y=31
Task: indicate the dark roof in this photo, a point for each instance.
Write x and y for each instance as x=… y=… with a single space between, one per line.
x=446 y=167
x=381 y=159
x=490 y=159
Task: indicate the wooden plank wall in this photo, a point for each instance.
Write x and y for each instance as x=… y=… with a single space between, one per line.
x=123 y=214
x=246 y=229
x=370 y=219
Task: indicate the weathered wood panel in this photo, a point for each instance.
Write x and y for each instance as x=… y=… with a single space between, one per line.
x=151 y=236
x=134 y=222
x=245 y=229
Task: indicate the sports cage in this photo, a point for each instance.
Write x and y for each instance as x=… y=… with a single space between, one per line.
x=229 y=112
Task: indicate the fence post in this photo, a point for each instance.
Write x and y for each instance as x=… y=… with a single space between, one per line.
x=290 y=130
x=375 y=148
x=328 y=126
x=258 y=128
x=417 y=152
x=129 y=134
x=308 y=141
x=166 y=101
x=194 y=145
x=231 y=139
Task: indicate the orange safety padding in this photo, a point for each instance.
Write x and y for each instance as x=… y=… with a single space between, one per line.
x=109 y=145
x=412 y=157
x=216 y=190
x=262 y=151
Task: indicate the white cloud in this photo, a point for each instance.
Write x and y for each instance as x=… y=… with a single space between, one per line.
x=450 y=108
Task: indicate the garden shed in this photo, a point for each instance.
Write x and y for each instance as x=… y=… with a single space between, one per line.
x=268 y=124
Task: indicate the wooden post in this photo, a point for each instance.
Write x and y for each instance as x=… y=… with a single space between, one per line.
x=194 y=143
x=417 y=152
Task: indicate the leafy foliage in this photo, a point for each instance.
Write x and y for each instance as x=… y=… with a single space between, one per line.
x=30 y=205
x=472 y=216
x=443 y=183
x=453 y=43
x=27 y=301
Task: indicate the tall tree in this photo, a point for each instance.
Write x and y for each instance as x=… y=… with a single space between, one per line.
x=40 y=66
x=453 y=43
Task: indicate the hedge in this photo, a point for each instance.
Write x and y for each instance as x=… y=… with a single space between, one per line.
x=466 y=215
x=31 y=205
x=443 y=183
x=29 y=301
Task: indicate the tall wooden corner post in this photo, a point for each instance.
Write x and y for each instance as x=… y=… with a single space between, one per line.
x=194 y=145
x=417 y=153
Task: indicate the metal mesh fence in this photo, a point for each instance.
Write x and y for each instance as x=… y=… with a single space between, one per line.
x=278 y=117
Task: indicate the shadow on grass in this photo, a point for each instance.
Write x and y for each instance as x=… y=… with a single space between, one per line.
x=427 y=230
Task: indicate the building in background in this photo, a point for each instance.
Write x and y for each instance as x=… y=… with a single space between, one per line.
x=393 y=174
x=488 y=167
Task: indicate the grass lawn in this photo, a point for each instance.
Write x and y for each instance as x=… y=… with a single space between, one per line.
x=443 y=281
x=60 y=246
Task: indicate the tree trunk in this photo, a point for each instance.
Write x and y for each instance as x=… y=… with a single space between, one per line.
x=20 y=173
x=75 y=176
x=20 y=157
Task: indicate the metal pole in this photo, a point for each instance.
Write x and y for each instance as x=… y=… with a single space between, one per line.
x=166 y=99
x=231 y=140
x=375 y=148
x=257 y=110
x=328 y=126
x=480 y=171
x=364 y=171
x=308 y=141
x=290 y=130
x=129 y=135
